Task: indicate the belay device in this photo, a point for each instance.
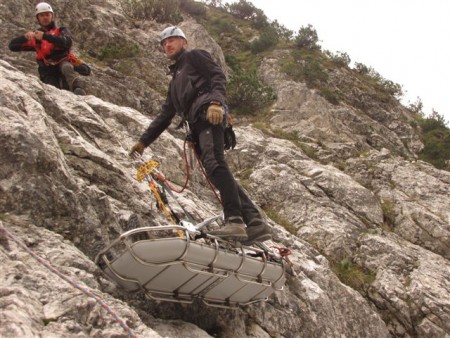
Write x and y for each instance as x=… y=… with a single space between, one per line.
x=187 y=263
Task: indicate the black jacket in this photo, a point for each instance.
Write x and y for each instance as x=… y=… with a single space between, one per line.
x=196 y=81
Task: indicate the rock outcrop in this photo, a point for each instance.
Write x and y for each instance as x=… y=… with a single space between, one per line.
x=368 y=224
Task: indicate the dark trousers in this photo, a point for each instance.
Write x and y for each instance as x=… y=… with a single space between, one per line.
x=210 y=146
x=62 y=75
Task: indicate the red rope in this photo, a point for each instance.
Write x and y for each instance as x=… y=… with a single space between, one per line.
x=282 y=251
x=163 y=179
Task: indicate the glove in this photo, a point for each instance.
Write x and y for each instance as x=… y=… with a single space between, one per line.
x=137 y=148
x=214 y=114
x=229 y=138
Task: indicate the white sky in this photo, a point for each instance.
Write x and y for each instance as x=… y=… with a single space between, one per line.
x=405 y=41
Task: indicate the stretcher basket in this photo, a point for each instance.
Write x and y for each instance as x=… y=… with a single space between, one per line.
x=181 y=269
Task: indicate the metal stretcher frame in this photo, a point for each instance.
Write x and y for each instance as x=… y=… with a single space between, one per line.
x=181 y=270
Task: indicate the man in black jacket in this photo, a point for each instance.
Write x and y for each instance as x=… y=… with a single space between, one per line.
x=197 y=93
x=52 y=46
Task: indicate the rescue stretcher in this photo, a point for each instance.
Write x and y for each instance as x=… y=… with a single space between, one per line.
x=183 y=268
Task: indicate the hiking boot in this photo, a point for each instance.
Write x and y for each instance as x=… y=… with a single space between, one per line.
x=79 y=91
x=234 y=229
x=257 y=231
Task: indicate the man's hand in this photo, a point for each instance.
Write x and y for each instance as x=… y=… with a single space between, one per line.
x=138 y=148
x=29 y=35
x=38 y=35
x=214 y=114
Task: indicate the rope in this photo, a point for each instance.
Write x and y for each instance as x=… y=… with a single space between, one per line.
x=283 y=252
x=83 y=289
x=167 y=183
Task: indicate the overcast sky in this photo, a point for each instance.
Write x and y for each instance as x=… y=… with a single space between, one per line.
x=405 y=41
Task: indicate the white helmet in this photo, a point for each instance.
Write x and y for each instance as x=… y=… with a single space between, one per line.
x=43 y=7
x=171 y=31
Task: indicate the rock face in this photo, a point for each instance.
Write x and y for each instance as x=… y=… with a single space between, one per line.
x=358 y=207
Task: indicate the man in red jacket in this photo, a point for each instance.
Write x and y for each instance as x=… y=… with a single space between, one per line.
x=197 y=93
x=52 y=46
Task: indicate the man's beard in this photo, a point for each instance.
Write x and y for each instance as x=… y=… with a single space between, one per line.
x=51 y=25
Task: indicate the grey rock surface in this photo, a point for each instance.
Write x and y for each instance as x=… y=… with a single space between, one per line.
x=368 y=224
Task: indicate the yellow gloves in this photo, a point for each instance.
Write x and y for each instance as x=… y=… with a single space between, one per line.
x=214 y=114
x=137 y=148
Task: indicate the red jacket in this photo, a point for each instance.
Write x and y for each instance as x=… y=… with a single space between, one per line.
x=52 y=49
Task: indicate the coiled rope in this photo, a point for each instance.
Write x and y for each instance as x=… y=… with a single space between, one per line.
x=4 y=232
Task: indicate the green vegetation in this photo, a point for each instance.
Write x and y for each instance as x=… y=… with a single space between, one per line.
x=388 y=207
x=353 y=275
x=244 y=177
x=247 y=94
x=267 y=39
x=114 y=51
x=276 y=217
x=435 y=136
x=293 y=136
x=194 y=8
x=341 y=59
x=158 y=10
x=388 y=86
x=307 y=38
x=311 y=66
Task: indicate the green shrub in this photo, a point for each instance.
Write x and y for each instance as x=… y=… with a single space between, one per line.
x=293 y=69
x=259 y=20
x=385 y=87
x=307 y=38
x=436 y=139
x=158 y=10
x=193 y=8
x=305 y=66
x=391 y=88
x=247 y=93
x=330 y=95
x=282 y=32
x=268 y=39
x=417 y=108
x=313 y=73
x=341 y=59
x=242 y=9
x=222 y=25
x=118 y=51
x=362 y=68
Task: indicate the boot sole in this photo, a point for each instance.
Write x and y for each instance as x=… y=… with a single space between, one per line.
x=231 y=236
x=261 y=238
x=240 y=233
